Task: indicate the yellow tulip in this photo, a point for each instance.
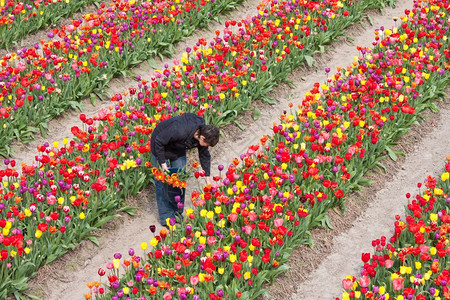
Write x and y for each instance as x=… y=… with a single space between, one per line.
x=153 y=242
x=144 y=246
x=116 y=263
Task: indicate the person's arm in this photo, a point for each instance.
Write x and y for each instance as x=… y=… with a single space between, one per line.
x=165 y=137
x=160 y=141
x=205 y=161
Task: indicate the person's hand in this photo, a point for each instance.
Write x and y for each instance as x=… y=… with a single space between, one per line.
x=164 y=167
x=208 y=180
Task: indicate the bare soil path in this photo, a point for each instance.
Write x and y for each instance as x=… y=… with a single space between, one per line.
x=66 y=278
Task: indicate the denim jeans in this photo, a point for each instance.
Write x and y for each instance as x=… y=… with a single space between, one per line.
x=167 y=207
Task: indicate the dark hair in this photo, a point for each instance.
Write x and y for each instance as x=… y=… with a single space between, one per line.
x=210 y=133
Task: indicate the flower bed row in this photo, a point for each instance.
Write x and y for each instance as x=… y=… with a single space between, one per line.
x=42 y=82
x=243 y=228
x=19 y=18
x=73 y=189
x=414 y=262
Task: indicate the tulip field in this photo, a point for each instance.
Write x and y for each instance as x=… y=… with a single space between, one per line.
x=236 y=235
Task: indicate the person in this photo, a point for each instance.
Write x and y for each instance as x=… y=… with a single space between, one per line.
x=168 y=143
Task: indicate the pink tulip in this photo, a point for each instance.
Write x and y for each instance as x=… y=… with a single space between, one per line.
x=364 y=281
x=194 y=280
x=232 y=217
x=101 y=180
x=51 y=200
x=21 y=66
x=248 y=229
x=102 y=113
x=347 y=283
x=278 y=222
x=397 y=283
x=211 y=240
x=424 y=248
x=70 y=28
x=388 y=263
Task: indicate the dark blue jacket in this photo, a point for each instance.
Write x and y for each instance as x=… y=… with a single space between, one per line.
x=172 y=137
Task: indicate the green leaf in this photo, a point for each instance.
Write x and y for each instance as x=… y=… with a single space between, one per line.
x=433 y=107
x=230 y=111
x=152 y=63
x=239 y=125
x=32 y=129
x=256 y=113
x=365 y=182
x=310 y=61
x=33 y=297
x=290 y=83
x=105 y=220
x=131 y=210
x=337 y=211
x=321 y=49
x=76 y=105
x=391 y=153
x=283 y=268
x=350 y=38
x=326 y=222
x=17 y=134
x=380 y=167
x=93 y=239
x=269 y=100
x=51 y=258
x=93 y=96
x=99 y=95
x=164 y=44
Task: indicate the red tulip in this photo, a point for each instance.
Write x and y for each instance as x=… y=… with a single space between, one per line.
x=365 y=257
